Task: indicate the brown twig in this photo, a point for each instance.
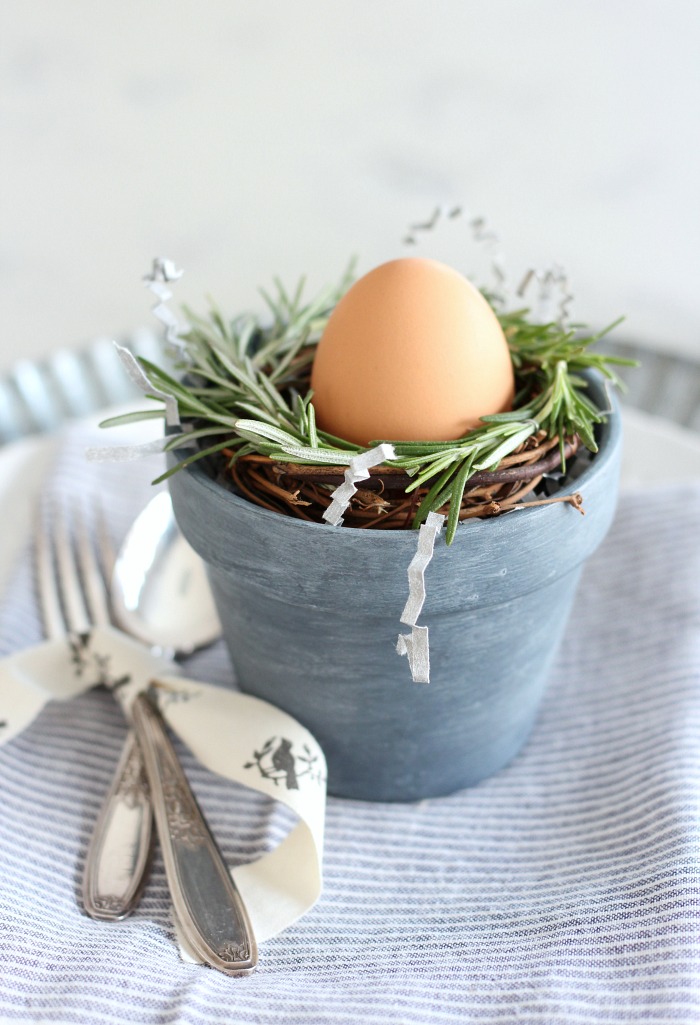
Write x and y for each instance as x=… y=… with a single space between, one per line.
x=382 y=503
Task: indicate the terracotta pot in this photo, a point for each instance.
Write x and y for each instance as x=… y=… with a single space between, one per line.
x=311 y=617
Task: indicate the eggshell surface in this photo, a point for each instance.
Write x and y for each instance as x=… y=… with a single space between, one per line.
x=412 y=352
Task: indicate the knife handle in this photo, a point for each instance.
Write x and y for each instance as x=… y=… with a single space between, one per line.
x=120 y=849
x=205 y=898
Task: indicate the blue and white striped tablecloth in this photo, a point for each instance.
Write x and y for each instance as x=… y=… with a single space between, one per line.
x=566 y=889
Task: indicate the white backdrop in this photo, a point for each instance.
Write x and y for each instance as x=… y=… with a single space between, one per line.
x=245 y=140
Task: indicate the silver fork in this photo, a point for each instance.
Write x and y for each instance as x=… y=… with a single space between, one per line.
x=206 y=901
x=121 y=845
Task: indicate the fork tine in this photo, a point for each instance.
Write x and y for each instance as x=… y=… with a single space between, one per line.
x=77 y=618
x=105 y=547
x=49 y=597
x=95 y=590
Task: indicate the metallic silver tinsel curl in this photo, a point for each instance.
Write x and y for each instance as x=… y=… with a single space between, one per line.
x=553 y=297
x=162 y=272
x=482 y=233
x=358 y=470
x=416 y=644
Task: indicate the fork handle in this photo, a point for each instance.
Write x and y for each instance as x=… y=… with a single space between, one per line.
x=205 y=899
x=119 y=853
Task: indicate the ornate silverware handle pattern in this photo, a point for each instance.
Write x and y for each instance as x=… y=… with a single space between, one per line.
x=207 y=903
x=122 y=842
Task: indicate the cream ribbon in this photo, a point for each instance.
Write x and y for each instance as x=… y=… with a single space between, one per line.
x=232 y=734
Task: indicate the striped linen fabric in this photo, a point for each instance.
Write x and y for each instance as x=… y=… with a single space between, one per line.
x=566 y=889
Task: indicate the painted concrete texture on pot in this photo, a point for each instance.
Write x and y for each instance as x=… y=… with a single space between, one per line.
x=311 y=617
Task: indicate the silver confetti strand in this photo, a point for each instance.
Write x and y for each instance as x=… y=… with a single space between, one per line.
x=143 y=382
x=358 y=470
x=124 y=453
x=417 y=647
x=128 y=453
x=438 y=214
x=482 y=233
x=416 y=644
x=553 y=297
x=162 y=272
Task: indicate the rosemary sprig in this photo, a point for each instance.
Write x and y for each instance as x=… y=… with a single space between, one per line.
x=243 y=386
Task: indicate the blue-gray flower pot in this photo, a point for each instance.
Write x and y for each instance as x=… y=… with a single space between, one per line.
x=311 y=618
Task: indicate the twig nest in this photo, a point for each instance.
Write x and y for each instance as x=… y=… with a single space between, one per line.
x=382 y=501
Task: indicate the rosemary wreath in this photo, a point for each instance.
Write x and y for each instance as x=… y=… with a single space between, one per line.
x=244 y=388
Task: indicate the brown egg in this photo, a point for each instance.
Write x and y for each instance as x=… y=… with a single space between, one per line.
x=412 y=352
